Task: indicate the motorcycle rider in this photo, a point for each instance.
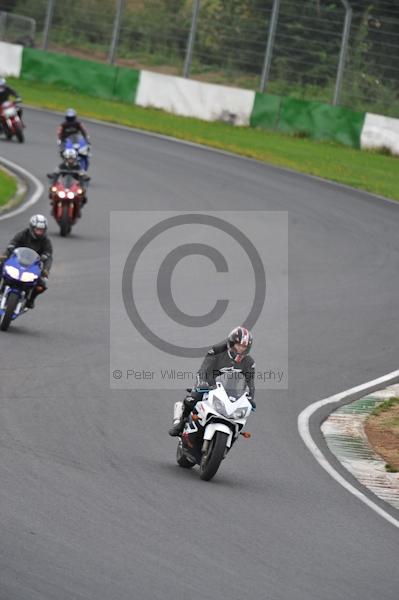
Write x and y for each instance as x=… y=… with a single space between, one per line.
x=34 y=237
x=71 y=126
x=230 y=355
x=5 y=94
x=70 y=166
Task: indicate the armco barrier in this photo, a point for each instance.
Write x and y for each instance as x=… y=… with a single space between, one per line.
x=321 y=121
x=380 y=132
x=266 y=111
x=189 y=98
x=10 y=59
x=84 y=76
x=202 y=100
x=313 y=119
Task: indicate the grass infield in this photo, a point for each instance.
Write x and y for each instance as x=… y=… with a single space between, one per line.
x=8 y=187
x=371 y=171
x=382 y=429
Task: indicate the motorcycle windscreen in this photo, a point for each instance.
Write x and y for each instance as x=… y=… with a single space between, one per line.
x=68 y=180
x=26 y=256
x=75 y=140
x=233 y=382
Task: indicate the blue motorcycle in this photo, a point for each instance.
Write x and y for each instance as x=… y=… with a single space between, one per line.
x=78 y=143
x=20 y=275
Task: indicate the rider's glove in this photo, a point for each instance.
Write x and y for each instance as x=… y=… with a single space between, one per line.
x=45 y=273
x=188 y=405
x=253 y=403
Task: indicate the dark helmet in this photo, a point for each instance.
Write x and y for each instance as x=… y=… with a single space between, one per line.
x=242 y=336
x=38 y=226
x=70 y=115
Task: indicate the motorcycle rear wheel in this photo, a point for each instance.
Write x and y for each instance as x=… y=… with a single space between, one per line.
x=12 y=302
x=210 y=462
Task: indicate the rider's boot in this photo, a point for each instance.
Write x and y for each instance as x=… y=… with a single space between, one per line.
x=178 y=419
x=30 y=303
x=177 y=428
x=180 y=414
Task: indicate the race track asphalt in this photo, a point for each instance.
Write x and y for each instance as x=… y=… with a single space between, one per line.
x=92 y=504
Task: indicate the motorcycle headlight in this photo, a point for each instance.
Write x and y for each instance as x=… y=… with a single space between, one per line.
x=70 y=195
x=239 y=413
x=28 y=276
x=61 y=194
x=219 y=406
x=12 y=272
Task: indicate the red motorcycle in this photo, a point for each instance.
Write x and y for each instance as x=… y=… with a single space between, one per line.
x=11 y=122
x=67 y=196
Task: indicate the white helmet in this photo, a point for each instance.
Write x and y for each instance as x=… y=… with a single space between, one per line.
x=3 y=82
x=71 y=115
x=38 y=226
x=70 y=156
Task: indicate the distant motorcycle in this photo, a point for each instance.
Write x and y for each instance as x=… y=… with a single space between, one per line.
x=10 y=121
x=20 y=275
x=77 y=142
x=214 y=425
x=66 y=195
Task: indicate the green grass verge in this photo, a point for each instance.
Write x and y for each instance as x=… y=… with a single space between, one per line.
x=384 y=406
x=369 y=171
x=8 y=187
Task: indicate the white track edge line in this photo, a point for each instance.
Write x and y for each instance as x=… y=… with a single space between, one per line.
x=33 y=198
x=303 y=427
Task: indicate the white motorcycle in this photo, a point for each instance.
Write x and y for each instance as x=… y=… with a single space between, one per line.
x=214 y=425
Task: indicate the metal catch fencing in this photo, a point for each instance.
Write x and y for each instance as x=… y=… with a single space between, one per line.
x=343 y=51
x=17 y=29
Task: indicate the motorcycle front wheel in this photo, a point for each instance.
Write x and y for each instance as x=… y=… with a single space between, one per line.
x=65 y=226
x=12 y=302
x=213 y=457
x=19 y=134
